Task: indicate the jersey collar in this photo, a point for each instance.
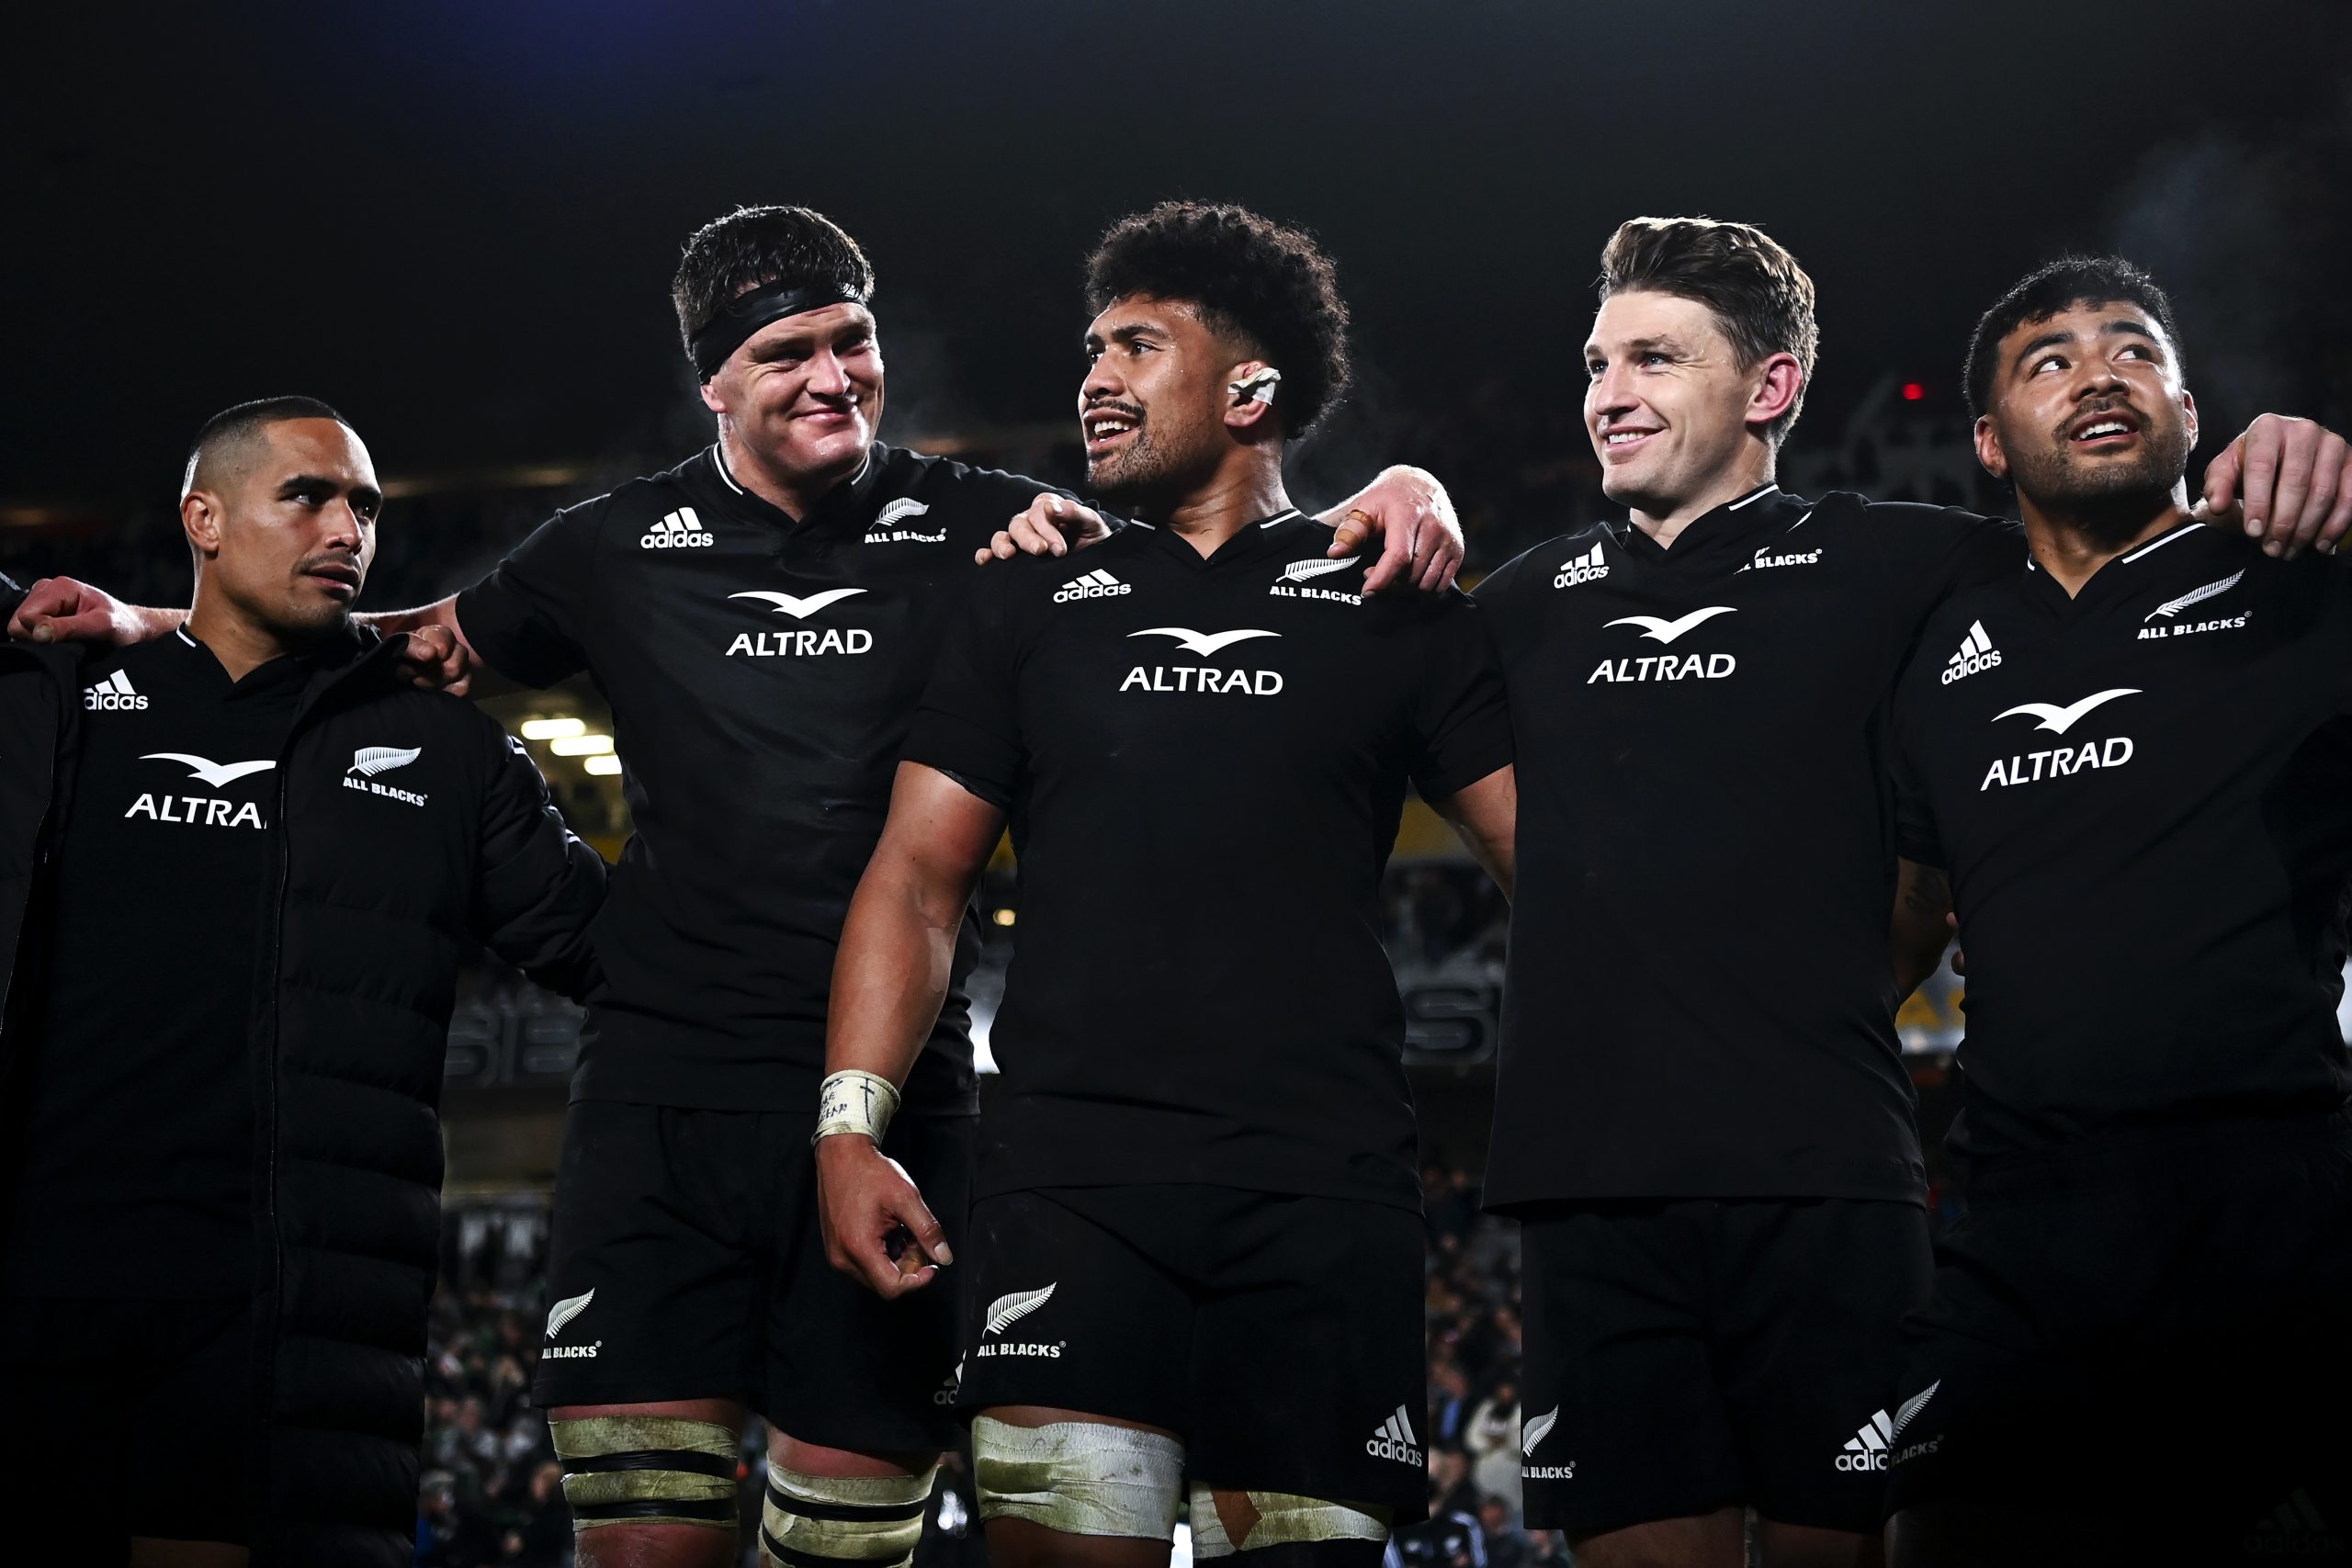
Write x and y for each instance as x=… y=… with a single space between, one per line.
x=1724 y=533
x=2127 y=573
x=1263 y=537
x=847 y=507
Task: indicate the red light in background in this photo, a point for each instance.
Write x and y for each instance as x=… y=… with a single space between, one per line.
x=1913 y=391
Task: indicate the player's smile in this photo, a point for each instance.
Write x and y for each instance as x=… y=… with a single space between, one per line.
x=1107 y=424
x=2114 y=428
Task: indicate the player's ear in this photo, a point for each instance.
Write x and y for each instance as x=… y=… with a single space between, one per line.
x=2189 y=414
x=1989 y=449
x=1779 y=385
x=1251 y=386
x=711 y=397
x=200 y=516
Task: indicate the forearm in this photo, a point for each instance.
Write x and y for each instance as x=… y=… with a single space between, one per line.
x=1921 y=928
x=1486 y=817
x=890 y=975
x=441 y=612
x=1399 y=475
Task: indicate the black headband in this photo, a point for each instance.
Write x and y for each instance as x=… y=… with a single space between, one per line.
x=732 y=327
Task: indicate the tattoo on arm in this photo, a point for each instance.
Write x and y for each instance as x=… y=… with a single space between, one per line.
x=1928 y=892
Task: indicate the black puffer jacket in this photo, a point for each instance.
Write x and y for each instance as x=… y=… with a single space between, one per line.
x=379 y=890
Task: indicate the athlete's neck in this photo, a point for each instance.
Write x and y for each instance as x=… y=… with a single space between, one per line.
x=242 y=644
x=1235 y=496
x=795 y=495
x=2072 y=541
x=1751 y=473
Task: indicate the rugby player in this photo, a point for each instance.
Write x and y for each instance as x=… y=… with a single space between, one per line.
x=239 y=862
x=2134 y=1347
x=762 y=619
x=1195 y=1248
x=1703 y=1116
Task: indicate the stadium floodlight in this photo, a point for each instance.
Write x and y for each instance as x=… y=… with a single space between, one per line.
x=580 y=745
x=602 y=765
x=552 y=728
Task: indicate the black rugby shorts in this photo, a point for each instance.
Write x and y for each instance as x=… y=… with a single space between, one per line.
x=1280 y=1337
x=1688 y=1355
x=2155 y=1328
x=687 y=1264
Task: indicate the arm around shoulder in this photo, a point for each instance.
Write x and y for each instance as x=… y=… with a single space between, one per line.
x=537 y=885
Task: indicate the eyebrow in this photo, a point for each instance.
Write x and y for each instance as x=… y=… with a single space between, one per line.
x=364 y=495
x=1642 y=346
x=2122 y=326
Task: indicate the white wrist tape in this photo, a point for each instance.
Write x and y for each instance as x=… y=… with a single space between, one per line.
x=854 y=1102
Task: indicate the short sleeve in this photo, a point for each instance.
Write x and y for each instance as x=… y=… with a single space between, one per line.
x=1462 y=719
x=1934 y=552
x=531 y=618
x=968 y=725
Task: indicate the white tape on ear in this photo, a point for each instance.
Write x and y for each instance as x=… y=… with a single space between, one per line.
x=1257 y=386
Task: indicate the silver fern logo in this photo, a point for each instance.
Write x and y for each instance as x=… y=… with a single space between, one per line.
x=1300 y=571
x=369 y=760
x=2172 y=607
x=1913 y=1405
x=1006 y=1310
x=564 y=1311
x=1538 y=1429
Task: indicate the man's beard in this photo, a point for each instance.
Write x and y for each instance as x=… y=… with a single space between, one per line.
x=2103 y=494
x=1140 y=473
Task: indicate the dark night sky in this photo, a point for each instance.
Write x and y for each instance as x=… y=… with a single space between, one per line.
x=457 y=221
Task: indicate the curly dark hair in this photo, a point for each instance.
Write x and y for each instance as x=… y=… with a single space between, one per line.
x=755 y=245
x=2049 y=289
x=1246 y=276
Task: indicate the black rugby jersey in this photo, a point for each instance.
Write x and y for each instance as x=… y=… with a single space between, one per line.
x=762 y=669
x=134 y=1119
x=1698 y=1000
x=2144 y=795
x=1204 y=762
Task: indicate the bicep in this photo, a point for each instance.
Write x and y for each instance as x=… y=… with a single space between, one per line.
x=1486 y=816
x=940 y=834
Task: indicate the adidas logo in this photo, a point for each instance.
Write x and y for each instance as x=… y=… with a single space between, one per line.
x=2294 y=1528
x=1585 y=567
x=1394 y=1439
x=112 y=694
x=1868 y=1448
x=677 y=530
x=1976 y=652
x=1091 y=585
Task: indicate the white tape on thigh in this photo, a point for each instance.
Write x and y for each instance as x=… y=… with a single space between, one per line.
x=1079 y=1477
x=870 y=1520
x=1283 y=1518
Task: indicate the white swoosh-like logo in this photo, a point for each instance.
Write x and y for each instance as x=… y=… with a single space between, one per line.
x=369 y=760
x=2058 y=720
x=564 y=1311
x=1538 y=1429
x=1658 y=629
x=1006 y=1310
x=799 y=609
x=211 y=772
x=1203 y=643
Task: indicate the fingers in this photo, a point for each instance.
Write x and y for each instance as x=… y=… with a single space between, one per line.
x=1444 y=559
x=89 y=625
x=2339 y=516
x=2222 y=477
x=2298 y=454
x=1396 y=562
x=2258 y=483
x=1349 y=536
x=2324 y=496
